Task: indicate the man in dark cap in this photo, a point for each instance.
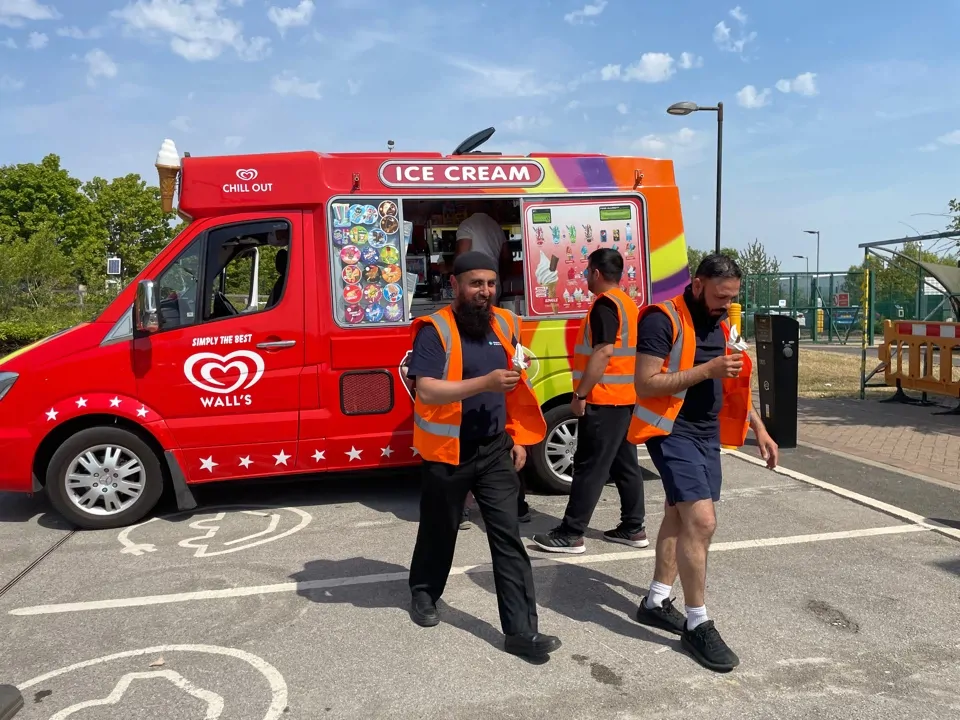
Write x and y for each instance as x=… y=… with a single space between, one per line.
x=474 y=413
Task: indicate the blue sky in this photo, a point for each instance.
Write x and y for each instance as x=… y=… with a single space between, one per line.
x=839 y=116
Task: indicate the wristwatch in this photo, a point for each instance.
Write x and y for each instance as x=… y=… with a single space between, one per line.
x=578 y=396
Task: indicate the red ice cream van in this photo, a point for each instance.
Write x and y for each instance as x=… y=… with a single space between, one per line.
x=267 y=339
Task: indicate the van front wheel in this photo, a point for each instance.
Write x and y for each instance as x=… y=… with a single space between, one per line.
x=552 y=459
x=104 y=477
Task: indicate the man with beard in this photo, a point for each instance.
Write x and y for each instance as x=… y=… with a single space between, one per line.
x=693 y=394
x=473 y=414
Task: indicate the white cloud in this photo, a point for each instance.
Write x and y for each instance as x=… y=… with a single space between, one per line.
x=288 y=84
x=652 y=68
x=232 y=141
x=610 y=72
x=99 y=64
x=523 y=123
x=181 y=123
x=739 y=15
x=353 y=86
x=951 y=138
x=802 y=84
x=9 y=43
x=13 y=13
x=9 y=84
x=289 y=17
x=577 y=17
x=723 y=34
x=572 y=105
x=37 y=41
x=78 y=34
x=683 y=145
x=497 y=81
x=688 y=61
x=199 y=31
x=622 y=108
x=749 y=98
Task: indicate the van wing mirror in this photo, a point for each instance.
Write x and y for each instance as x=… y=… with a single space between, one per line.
x=146 y=318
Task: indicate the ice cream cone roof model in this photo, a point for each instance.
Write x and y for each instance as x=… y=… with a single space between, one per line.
x=168 y=168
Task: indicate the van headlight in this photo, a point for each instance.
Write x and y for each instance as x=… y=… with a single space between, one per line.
x=7 y=379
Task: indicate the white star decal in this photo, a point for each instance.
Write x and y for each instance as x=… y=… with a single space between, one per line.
x=319 y=455
x=115 y=402
x=282 y=458
x=353 y=453
x=386 y=452
x=81 y=402
x=415 y=451
x=142 y=412
x=52 y=414
x=208 y=463
x=246 y=461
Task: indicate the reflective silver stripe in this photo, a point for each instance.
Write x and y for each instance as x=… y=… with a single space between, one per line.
x=624 y=350
x=608 y=379
x=504 y=327
x=433 y=428
x=624 y=330
x=677 y=350
x=651 y=418
x=443 y=327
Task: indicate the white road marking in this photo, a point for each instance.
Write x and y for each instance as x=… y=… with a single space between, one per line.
x=213 y=701
x=870 y=502
x=274 y=513
x=290 y=587
x=278 y=686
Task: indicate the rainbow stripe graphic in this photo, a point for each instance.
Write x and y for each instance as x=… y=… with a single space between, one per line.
x=669 y=272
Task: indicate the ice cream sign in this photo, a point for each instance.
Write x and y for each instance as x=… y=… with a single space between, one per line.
x=457 y=173
x=247 y=176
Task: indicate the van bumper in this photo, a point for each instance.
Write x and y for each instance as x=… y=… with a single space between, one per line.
x=16 y=460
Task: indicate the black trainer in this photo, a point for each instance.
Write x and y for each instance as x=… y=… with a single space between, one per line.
x=625 y=536
x=423 y=610
x=531 y=645
x=666 y=617
x=559 y=540
x=708 y=648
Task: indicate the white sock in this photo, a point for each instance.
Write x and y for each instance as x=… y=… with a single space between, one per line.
x=695 y=615
x=658 y=593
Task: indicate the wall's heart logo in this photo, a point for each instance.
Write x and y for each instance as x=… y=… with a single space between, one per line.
x=248 y=366
x=247 y=175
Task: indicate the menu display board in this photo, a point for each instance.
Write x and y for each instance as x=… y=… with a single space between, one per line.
x=366 y=260
x=559 y=237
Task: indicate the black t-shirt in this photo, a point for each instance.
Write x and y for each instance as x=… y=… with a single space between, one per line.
x=702 y=404
x=483 y=415
x=604 y=322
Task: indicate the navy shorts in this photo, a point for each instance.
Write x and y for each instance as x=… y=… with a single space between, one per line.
x=689 y=467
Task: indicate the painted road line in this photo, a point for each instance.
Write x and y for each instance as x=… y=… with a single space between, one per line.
x=866 y=500
x=299 y=587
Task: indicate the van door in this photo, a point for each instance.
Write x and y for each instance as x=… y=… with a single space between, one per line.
x=224 y=369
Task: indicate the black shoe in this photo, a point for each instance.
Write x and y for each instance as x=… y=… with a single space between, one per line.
x=666 y=617
x=708 y=648
x=423 y=610
x=524 y=514
x=532 y=645
x=465 y=520
x=624 y=536
x=560 y=541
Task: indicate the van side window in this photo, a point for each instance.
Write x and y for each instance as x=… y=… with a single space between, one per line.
x=177 y=289
x=246 y=268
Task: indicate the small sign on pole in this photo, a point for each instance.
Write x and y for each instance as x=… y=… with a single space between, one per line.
x=113 y=266
x=842 y=300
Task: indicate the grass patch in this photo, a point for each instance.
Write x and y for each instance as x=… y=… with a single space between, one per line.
x=829 y=374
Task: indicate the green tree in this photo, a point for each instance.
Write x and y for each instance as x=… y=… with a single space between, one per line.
x=130 y=225
x=33 y=273
x=695 y=257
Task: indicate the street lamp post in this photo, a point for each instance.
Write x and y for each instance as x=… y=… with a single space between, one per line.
x=817 y=233
x=685 y=108
x=804 y=257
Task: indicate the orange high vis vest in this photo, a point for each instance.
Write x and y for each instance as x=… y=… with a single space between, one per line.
x=654 y=416
x=616 y=385
x=436 y=428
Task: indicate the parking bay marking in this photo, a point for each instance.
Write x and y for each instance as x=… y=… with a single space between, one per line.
x=291 y=587
x=278 y=686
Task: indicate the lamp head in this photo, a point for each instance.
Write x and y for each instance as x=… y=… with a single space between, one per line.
x=682 y=108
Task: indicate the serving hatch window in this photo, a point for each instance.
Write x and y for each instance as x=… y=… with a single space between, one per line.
x=369 y=240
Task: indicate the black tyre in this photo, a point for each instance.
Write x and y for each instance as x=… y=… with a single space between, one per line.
x=104 y=477
x=552 y=459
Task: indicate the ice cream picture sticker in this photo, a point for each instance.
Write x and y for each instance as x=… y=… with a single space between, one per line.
x=558 y=278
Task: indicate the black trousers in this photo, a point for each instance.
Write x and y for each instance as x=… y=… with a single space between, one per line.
x=487 y=471
x=603 y=453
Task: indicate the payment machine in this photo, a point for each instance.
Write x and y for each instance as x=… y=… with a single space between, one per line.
x=778 y=350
